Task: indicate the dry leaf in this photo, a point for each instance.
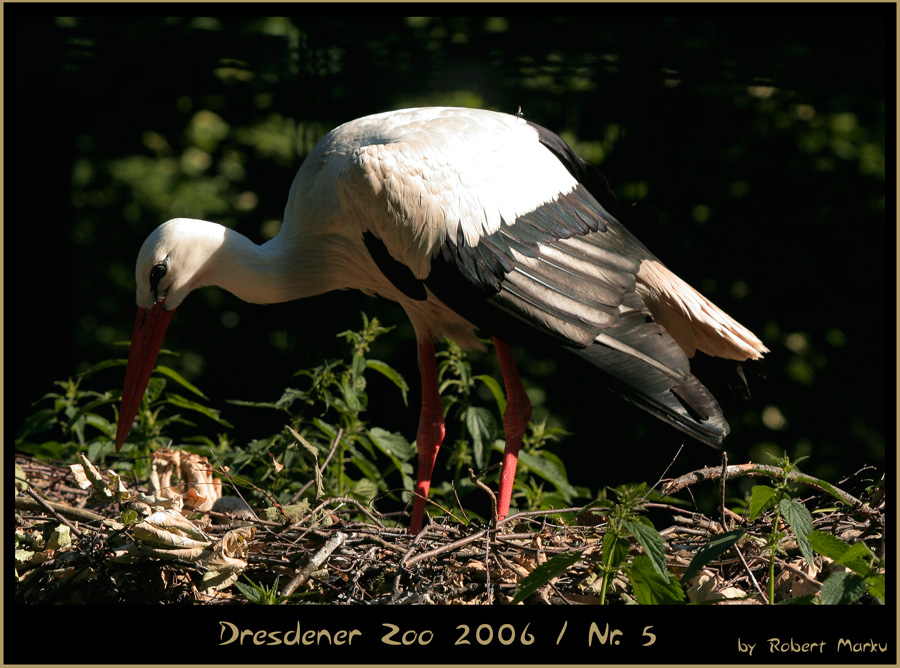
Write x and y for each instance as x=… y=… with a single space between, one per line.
x=278 y=467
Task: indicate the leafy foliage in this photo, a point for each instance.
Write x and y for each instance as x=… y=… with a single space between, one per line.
x=327 y=438
x=329 y=448
x=260 y=594
x=652 y=577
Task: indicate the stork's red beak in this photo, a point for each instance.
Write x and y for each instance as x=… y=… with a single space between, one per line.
x=146 y=340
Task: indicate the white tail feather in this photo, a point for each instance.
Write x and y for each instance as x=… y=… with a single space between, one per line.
x=691 y=319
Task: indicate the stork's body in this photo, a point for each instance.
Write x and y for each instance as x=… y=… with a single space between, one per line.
x=468 y=219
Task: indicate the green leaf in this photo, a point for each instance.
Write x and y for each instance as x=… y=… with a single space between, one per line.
x=843 y=589
x=46 y=450
x=352 y=397
x=398 y=449
x=155 y=387
x=308 y=447
x=546 y=469
x=368 y=469
x=182 y=402
x=799 y=519
x=313 y=453
x=289 y=396
x=357 y=369
x=253 y=594
x=652 y=542
x=855 y=558
x=842 y=553
x=391 y=374
x=827 y=545
x=760 y=499
x=480 y=423
x=392 y=443
x=365 y=489
x=181 y=380
x=105 y=364
x=37 y=423
x=99 y=422
x=495 y=390
x=716 y=546
x=253 y=404
x=877 y=584
x=615 y=550
x=806 y=599
x=651 y=588
x=97 y=448
x=103 y=399
x=544 y=573
x=328 y=429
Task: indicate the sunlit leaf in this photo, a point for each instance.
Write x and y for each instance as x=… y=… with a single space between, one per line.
x=181 y=380
x=615 y=550
x=651 y=588
x=799 y=519
x=842 y=553
x=365 y=489
x=182 y=402
x=392 y=443
x=761 y=497
x=651 y=541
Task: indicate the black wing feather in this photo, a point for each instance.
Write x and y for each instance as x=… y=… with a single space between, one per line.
x=565 y=274
x=396 y=272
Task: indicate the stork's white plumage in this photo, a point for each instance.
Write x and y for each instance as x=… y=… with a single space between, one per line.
x=468 y=219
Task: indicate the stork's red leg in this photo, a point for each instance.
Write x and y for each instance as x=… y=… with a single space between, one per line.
x=431 y=431
x=515 y=421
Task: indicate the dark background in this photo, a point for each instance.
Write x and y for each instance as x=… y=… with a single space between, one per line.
x=746 y=151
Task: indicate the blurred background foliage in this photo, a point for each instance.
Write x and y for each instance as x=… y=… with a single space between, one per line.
x=748 y=153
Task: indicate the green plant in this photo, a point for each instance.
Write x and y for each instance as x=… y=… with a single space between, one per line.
x=839 y=587
x=331 y=448
x=475 y=403
x=75 y=422
x=784 y=519
x=338 y=446
x=261 y=595
x=778 y=499
x=326 y=431
x=650 y=579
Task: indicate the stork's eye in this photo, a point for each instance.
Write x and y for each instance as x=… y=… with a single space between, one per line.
x=156 y=275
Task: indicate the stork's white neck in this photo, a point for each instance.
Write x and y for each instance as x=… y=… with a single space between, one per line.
x=197 y=253
x=275 y=271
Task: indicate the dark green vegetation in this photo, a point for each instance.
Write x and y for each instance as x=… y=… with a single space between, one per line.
x=325 y=425
x=342 y=468
x=747 y=153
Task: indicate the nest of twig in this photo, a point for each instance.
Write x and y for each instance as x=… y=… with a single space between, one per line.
x=173 y=544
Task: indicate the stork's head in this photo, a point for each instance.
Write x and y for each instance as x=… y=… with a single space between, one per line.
x=172 y=262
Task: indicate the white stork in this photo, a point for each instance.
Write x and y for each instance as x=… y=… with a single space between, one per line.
x=469 y=219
